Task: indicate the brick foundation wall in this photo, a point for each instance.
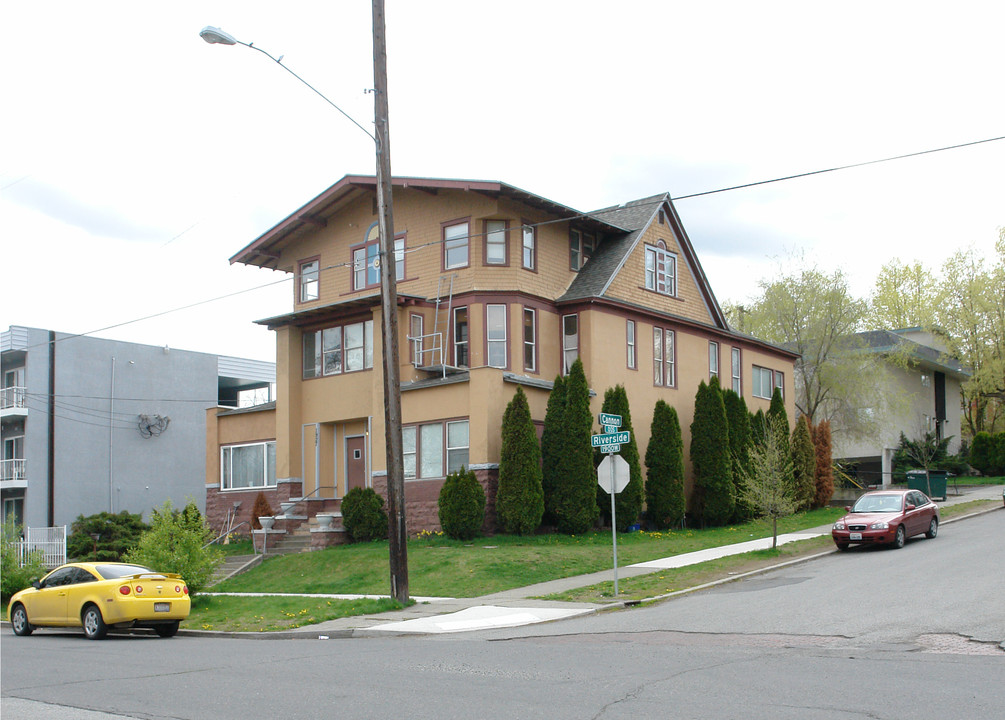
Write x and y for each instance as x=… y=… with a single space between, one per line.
x=219 y=503
x=422 y=510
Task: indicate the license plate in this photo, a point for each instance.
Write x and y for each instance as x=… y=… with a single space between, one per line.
x=855 y=536
x=162 y=607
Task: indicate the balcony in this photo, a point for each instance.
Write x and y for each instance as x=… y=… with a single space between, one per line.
x=12 y=474
x=12 y=402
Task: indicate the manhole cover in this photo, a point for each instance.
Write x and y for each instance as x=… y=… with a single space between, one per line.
x=957 y=645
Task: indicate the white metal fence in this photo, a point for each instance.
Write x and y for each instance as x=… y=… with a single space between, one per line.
x=49 y=541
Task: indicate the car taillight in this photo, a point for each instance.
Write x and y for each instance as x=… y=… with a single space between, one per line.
x=139 y=589
x=184 y=589
x=124 y=590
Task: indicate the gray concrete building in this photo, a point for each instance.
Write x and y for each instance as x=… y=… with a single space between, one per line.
x=92 y=425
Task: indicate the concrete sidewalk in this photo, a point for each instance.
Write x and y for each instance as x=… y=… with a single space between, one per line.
x=518 y=606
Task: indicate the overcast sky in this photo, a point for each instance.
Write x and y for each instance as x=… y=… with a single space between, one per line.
x=135 y=159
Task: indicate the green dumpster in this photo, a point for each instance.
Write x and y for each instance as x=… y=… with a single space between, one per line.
x=916 y=480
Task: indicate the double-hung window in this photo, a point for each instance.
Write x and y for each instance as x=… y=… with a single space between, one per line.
x=432 y=450
x=661 y=269
x=461 y=337
x=529 y=339
x=455 y=246
x=415 y=334
x=762 y=382
x=713 y=359
x=780 y=382
x=630 y=341
x=496 y=246
x=664 y=360
x=248 y=466
x=581 y=247
x=529 y=253
x=495 y=335
x=366 y=263
x=334 y=350
x=735 y=364
x=309 y=280
x=570 y=342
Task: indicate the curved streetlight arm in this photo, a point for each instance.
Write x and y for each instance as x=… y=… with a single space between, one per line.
x=216 y=36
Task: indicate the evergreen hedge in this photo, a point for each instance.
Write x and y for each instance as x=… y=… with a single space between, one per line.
x=665 y=503
x=804 y=465
x=627 y=503
x=552 y=449
x=363 y=515
x=462 y=505
x=520 y=499
x=575 y=496
x=710 y=458
x=738 y=420
x=825 y=465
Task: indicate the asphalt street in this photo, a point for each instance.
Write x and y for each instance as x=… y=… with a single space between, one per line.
x=870 y=633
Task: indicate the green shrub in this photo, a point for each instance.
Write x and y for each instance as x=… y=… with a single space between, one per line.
x=710 y=456
x=553 y=449
x=665 y=502
x=462 y=505
x=628 y=502
x=116 y=535
x=804 y=465
x=363 y=515
x=13 y=576
x=575 y=496
x=176 y=543
x=520 y=499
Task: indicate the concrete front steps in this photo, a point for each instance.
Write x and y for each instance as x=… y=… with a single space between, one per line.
x=234 y=565
x=294 y=533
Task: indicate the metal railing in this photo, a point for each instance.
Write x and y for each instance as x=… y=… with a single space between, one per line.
x=12 y=469
x=49 y=541
x=12 y=397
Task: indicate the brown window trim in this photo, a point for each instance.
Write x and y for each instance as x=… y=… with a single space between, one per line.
x=536 y=369
x=485 y=333
x=443 y=240
x=298 y=285
x=527 y=223
x=485 y=242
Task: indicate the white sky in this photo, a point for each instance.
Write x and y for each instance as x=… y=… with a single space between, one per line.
x=135 y=159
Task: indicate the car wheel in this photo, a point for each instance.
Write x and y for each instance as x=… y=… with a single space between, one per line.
x=900 y=538
x=166 y=631
x=842 y=546
x=94 y=624
x=19 y=621
x=933 y=528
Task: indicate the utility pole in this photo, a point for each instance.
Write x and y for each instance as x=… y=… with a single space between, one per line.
x=397 y=532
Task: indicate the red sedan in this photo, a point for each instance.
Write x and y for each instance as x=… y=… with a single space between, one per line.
x=887 y=517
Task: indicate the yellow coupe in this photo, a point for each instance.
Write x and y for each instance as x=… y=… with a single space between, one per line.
x=102 y=595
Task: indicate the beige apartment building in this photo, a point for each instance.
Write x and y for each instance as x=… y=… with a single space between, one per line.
x=497 y=289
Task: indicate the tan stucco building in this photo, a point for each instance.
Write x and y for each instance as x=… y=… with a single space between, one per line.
x=497 y=288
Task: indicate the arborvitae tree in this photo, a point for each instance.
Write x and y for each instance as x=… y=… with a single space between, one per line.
x=552 y=449
x=777 y=410
x=758 y=426
x=519 y=500
x=738 y=419
x=462 y=505
x=804 y=465
x=713 y=473
x=576 y=498
x=825 y=469
x=627 y=503
x=665 y=502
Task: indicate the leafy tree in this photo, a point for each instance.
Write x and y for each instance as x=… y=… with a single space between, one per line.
x=825 y=465
x=982 y=453
x=104 y=536
x=665 y=503
x=552 y=448
x=766 y=488
x=176 y=543
x=627 y=503
x=520 y=499
x=462 y=505
x=13 y=575
x=575 y=497
x=905 y=296
x=923 y=453
x=363 y=515
x=710 y=459
x=738 y=419
x=804 y=465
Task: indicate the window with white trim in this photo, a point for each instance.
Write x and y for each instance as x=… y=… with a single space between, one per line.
x=762 y=379
x=530 y=339
x=415 y=333
x=570 y=342
x=780 y=382
x=495 y=335
x=736 y=372
x=713 y=359
x=630 y=342
x=455 y=246
x=344 y=348
x=309 y=280
x=529 y=253
x=661 y=269
x=664 y=360
x=430 y=448
x=581 y=247
x=365 y=260
x=248 y=466
x=461 y=337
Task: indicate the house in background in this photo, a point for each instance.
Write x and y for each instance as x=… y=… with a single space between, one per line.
x=926 y=383
x=92 y=425
x=498 y=288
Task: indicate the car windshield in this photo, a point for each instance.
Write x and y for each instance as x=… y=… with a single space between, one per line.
x=110 y=572
x=877 y=503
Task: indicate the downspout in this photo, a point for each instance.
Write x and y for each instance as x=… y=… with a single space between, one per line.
x=51 y=440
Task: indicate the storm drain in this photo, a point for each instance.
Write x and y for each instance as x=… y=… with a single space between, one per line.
x=957 y=645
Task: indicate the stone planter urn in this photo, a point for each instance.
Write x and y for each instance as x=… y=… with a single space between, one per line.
x=267 y=523
x=325 y=521
x=286 y=507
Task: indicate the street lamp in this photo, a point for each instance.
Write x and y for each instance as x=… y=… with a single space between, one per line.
x=388 y=290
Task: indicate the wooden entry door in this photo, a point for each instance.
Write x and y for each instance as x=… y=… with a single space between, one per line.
x=355 y=462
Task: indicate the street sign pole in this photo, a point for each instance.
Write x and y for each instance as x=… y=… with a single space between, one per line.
x=610 y=443
x=614 y=531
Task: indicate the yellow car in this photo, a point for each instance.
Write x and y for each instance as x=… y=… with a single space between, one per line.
x=102 y=595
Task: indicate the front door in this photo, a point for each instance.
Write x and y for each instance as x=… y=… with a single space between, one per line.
x=355 y=462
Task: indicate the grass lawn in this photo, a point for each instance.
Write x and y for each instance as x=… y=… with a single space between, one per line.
x=269 y=614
